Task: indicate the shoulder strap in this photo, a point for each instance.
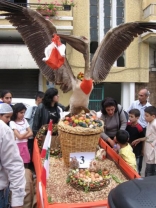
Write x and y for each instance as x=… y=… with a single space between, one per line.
x=120 y=110
x=119 y=113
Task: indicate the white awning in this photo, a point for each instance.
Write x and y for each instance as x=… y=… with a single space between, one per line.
x=16 y=56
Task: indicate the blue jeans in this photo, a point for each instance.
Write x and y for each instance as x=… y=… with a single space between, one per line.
x=4 y=198
x=150 y=170
x=139 y=163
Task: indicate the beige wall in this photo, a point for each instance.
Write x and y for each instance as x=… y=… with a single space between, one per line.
x=137 y=54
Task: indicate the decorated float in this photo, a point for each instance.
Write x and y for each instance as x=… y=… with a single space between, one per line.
x=89 y=185
x=80 y=175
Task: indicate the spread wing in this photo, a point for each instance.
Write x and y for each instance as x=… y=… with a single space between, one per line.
x=81 y=44
x=112 y=46
x=37 y=32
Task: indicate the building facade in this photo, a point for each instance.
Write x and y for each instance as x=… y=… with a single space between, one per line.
x=135 y=68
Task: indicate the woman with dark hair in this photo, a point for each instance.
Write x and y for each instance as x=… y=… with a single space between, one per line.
x=114 y=119
x=6 y=97
x=48 y=109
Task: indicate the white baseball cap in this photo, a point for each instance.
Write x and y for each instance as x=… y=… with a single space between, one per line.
x=5 y=108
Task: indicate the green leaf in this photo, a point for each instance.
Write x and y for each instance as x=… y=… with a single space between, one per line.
x=116 y=179
x=49 y=199
x=100 y=172
x=68 y=180
x=86 y=189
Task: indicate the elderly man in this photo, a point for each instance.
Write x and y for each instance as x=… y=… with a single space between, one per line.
x=141 y=104
x=12 y=171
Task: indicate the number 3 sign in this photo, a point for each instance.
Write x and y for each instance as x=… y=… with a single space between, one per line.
x=84 y=158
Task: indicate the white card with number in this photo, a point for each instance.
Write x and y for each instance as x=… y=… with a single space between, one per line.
x=84 y=158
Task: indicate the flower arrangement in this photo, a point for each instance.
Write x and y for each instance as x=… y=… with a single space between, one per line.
x=80 y=76
x=49 y=9
x=70 y=2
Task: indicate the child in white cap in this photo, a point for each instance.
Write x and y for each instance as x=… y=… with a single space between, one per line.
x=6 y=112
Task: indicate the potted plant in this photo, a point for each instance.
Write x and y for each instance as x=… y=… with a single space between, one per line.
x=68 y=4
x=47 y=9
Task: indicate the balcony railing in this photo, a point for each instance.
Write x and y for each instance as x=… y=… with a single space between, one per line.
x=150 y=10
x=35 y=5
x=65 y=18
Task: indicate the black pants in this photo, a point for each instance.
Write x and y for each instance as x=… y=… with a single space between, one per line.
x=30 y=147
x=150 y=170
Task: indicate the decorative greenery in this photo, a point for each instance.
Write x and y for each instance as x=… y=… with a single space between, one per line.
x=49 y=199
x=116 y=179
x=70 y=2
x=51 y=9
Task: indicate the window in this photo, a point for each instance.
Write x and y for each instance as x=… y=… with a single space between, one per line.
x=23 y=83
x=120 y=12
x=107 y=16
x=96 y=96
x=93 y=21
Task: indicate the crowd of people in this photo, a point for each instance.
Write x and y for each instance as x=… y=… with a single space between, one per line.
x=23 y=124
x=133 y=138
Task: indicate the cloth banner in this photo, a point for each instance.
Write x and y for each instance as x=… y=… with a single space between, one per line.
x=55 y=53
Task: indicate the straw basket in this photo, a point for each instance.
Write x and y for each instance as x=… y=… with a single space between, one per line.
x=55 y=142
x=77 y=139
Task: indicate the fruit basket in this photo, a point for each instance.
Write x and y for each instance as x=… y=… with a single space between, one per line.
x=78 y=138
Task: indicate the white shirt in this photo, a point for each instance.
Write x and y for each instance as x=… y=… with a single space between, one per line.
x=11 y=166
x=29 y=111
x=21 y=127
x=150 y=143
x=136 y=104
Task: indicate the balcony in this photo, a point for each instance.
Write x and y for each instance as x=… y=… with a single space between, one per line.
x=150 y=11
x=149 y=14
x=63 y=22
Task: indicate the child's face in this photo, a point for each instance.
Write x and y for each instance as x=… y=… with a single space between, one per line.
x=39 y=100
x=149 y=118
x=6 y=117
x=20 y=115
x=7 y=98
x=132 y=118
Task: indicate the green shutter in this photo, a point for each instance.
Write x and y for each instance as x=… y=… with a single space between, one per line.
x=96 y=97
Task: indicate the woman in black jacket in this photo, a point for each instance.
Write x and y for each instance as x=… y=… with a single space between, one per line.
x=48 y=109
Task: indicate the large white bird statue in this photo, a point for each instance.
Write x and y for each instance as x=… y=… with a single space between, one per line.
x=37 y=33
